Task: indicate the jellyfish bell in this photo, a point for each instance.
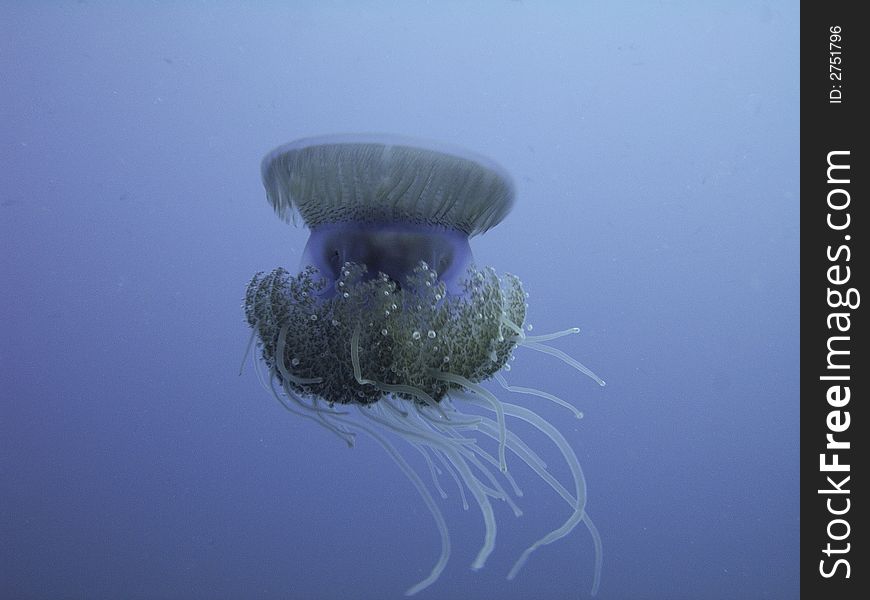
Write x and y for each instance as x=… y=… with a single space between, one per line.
x=387 y=203
x=389 y=328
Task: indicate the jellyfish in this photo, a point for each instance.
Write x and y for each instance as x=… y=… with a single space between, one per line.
x=390 y=329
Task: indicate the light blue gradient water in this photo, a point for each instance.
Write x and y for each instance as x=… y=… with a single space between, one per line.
x=655 y=150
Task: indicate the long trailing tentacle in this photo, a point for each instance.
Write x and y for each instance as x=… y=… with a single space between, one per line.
x=457 y=456
x=577 y=500
x=427 y=499
x=248 y=346
x=568 y=360
x=490 y=398
x=540 y=393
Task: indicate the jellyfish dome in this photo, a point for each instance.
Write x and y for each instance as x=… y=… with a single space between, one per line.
x=390 y=328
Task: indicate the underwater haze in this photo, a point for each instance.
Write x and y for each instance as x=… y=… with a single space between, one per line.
x=654 y=151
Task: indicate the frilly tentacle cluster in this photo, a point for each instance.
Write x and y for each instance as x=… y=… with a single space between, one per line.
x=402 y=334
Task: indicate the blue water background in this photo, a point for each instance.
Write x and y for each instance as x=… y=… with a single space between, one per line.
x=654 y=147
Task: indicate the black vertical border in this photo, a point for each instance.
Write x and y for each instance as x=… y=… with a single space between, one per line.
x=828 y=126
